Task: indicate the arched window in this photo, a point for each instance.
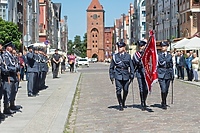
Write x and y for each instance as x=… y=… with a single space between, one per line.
x=143 y=3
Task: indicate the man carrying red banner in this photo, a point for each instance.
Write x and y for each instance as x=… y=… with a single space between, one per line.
x=149 y=60
x=139 y=70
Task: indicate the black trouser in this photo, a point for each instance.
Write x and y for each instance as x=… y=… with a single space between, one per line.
x=189 y=74
x=72 y=67
x=180 y=72
x=55 y=69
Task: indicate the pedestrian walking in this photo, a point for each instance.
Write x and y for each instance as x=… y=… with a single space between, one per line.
x=71 y=61
x=165 y=72
x=139 y=70
x=122 y=71
x=56 y=63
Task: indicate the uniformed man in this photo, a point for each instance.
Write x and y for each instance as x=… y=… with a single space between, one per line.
x=43 y=69
x=2 y=116
x=56 y=63
x=139 y=70
x=8 y=77
x=32 y=70
x=122 y=70
x=165 y=72
x=16 y=83
x=37 y=59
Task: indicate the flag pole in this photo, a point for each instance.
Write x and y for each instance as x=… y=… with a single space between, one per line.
x=132 y=91
x=172 y=91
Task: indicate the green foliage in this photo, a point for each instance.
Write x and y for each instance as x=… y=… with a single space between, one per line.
x=78 y=47
x=9 y=33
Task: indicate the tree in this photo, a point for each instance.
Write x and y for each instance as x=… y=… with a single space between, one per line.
x=9 y=33
x=84 y=46
x=69 y=47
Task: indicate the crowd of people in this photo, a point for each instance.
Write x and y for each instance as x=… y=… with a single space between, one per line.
x=30 y=66
x=185 y=62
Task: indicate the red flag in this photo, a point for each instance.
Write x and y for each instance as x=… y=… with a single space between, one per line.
x=149 y=60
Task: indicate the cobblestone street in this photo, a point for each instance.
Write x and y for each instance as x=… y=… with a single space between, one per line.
x=97 y=107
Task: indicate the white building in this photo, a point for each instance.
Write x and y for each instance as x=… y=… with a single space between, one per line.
x=140 y=20
x=3 y=9
x=164 y=18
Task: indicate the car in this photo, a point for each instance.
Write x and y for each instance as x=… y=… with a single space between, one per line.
x=83 y=62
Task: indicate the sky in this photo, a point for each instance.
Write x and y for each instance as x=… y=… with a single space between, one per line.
x=75 y=10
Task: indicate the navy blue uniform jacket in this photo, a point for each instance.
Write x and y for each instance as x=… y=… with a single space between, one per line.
x=121 y=68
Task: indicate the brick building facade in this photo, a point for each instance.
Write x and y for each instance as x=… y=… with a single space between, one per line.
x=95 y=31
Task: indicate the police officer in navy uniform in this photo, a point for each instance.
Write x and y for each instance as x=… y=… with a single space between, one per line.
x=56 y=63
x=16 y=84
x=139 y=70
x=165 y=72
x=32 y=70
x=43 y=69
x=122 y=70
x=8 y=77
x=2 y=116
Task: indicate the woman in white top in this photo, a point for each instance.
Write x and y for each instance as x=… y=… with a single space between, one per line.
x=195 y=66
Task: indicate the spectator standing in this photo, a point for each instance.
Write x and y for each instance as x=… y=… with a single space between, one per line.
x=174 y=63
x=188 y=67
x=195 y=66
x=63 y=64
x=180 y=63
x=22 y=66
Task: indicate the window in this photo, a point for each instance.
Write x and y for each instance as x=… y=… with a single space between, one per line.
x=143 y=13
x=143 y=3
x=144 y=25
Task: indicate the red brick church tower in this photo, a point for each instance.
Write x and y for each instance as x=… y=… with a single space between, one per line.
x=95 y=31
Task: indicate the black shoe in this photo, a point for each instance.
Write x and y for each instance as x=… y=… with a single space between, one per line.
x=142 y=107
x=2 y=116
x=31 y=95
x=8 y=111
x=164 y=106
x=121 y=108
x=13 y=107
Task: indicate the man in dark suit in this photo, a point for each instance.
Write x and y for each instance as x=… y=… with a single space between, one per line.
x=139 y=69
x=56 y=58
x=180 y=63
x=165 y=72
x=122 y=70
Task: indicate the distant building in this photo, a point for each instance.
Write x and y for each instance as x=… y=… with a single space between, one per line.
x=3 y=9
x=140 y=21
x=95 y=31
x=108 y=36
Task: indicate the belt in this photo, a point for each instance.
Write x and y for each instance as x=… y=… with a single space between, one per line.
x=122 y=68
x=164 y=67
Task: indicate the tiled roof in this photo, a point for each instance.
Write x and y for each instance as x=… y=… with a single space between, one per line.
x=95 y=5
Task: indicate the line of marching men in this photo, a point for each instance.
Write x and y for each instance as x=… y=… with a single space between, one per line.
x=123 y=68
x=37 y=68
